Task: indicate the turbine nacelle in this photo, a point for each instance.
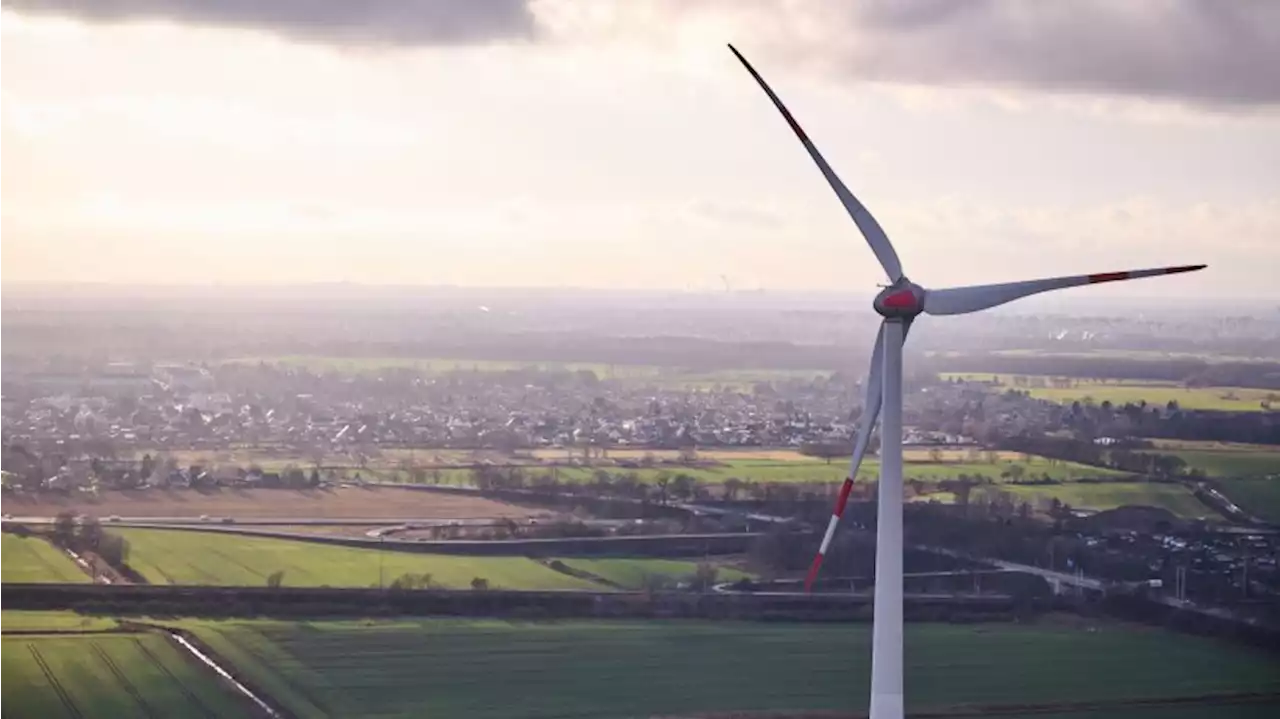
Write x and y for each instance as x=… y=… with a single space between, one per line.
x=902 y=300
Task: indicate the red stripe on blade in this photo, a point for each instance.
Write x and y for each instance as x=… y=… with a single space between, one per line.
x=844 y=496
x=1183 y=268
x=1108 y=277
x=813 y=572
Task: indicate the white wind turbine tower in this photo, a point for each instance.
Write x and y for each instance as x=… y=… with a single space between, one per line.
x=899 y=304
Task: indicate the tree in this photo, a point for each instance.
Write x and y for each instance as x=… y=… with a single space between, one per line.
x=113 y=549
x=90 y=534
x=684 y=487
x=704 y=577
x=732 y=486
x=935 y=455
x=1016 y=471
x=275 y=579
x=825 y=450
x=480 y=584
x=662 y=481
x=64 y=528
x=148 y=466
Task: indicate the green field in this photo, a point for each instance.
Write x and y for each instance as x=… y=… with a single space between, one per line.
x=1220 y=459
x=1257 y=496
x=53 y=621
x=496 y=669
x=631 y=573
x=31 y=559
x=1108 y=495
x=812 y=471
x=1119 y=392
x=1232 y=464
x=186 y=557
x=108 y=675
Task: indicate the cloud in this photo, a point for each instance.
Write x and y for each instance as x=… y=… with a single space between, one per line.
x=347 y=22
x=1204 y=50
x=1208 y=52
x=1219 y=52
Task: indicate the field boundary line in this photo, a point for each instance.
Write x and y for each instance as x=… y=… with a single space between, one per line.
x=53 y=681
x=120 y=677
x=231 y=674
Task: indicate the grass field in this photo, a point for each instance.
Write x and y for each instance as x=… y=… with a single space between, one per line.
x=31 y=559
x=1119 y=392
x=487 y=669
x=1225 y=459
x=765 y=465
x=108 y=675
x=183 y=557
x=1258 y=496
x=812 y=471
x=1108 y=495
x=53 y=621
x=630 y=573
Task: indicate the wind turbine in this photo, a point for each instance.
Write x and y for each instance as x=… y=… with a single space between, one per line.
x=900 y=303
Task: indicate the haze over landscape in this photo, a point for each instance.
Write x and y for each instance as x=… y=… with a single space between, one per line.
x=511 y=359
x=617 y=144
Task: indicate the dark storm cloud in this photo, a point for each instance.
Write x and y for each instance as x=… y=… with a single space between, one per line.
x=362 y=22
x=1219 y=51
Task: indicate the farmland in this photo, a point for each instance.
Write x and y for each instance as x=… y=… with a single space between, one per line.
x=624 y=669
x=53 y=621
x=108 y=675
x=180 y=557
x=808 y=470
x=1118 y=392
x=631 y=573
x=328 y=503
x=1108 y=495
x=1257 y=496
x=1224 y=459
x=31 y=559
x=714 y=466
x=183 y=557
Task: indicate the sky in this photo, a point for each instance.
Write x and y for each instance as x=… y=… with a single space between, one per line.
x=618 y=143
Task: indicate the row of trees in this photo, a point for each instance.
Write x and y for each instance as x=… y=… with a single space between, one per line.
x=1126 y=457
x=88 y=536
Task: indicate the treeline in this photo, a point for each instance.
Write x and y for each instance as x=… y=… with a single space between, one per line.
x=1188 y=371
x=667 y=487
x=1124 y=456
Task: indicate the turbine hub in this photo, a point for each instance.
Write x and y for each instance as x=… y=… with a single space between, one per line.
x=901 y=300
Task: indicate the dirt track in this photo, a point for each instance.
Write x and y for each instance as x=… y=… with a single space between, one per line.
x=332 y=503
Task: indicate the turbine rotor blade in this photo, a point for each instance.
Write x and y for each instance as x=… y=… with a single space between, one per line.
x=871 y=230
x=961 y=300
x=873 y=398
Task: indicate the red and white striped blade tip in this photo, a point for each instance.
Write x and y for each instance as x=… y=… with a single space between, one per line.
x=1135 y=274
x=813 y=573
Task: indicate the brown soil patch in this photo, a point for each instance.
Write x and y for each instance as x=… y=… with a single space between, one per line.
x=329 y=503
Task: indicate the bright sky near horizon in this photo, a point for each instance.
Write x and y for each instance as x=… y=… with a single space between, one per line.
x=612 y=143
